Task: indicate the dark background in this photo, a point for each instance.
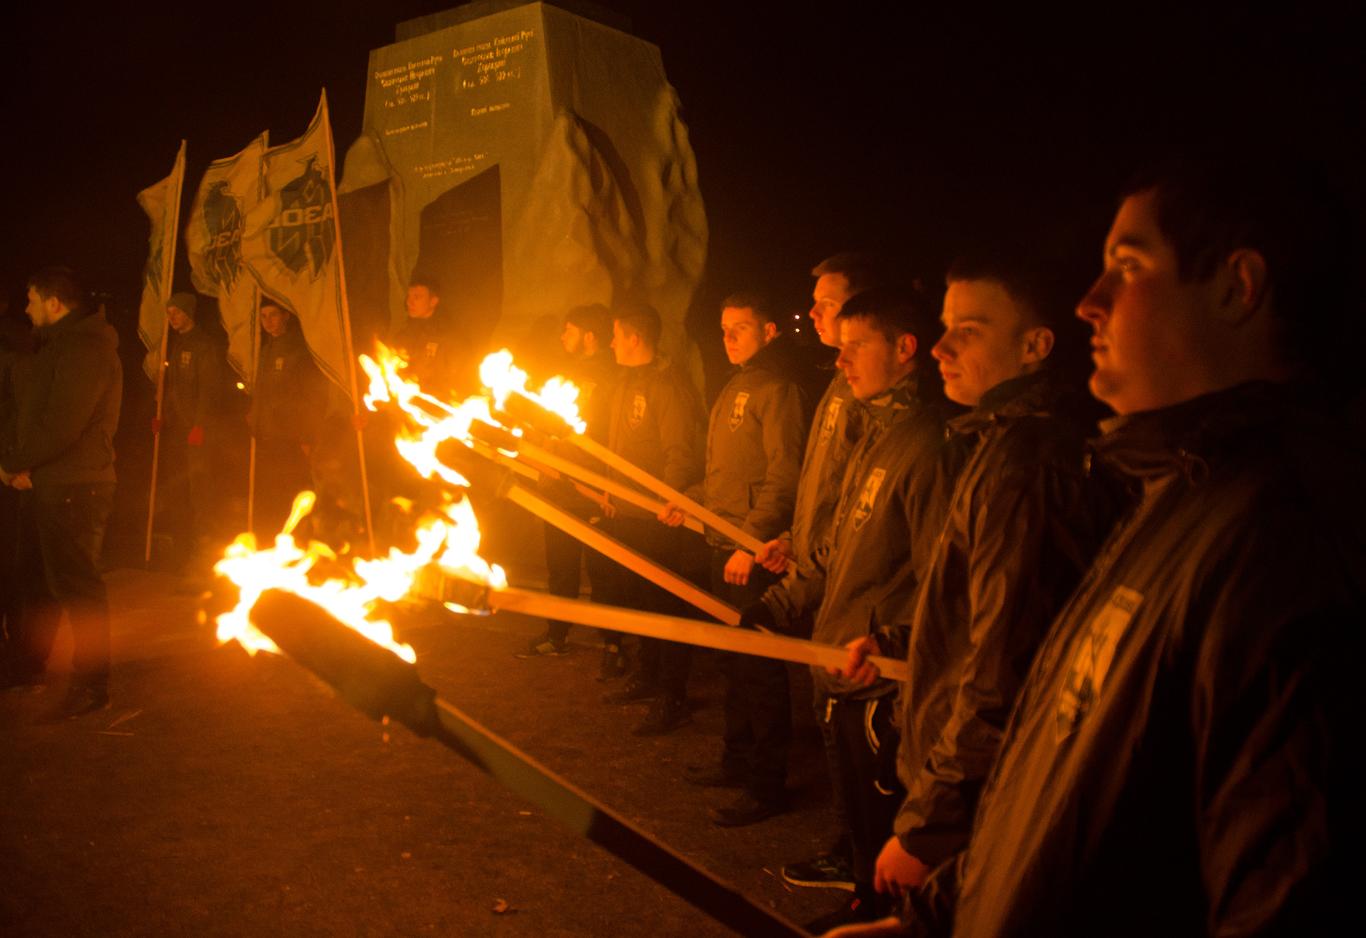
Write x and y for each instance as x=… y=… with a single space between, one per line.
x=817 y=125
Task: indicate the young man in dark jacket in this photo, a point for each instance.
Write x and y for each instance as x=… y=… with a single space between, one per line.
x=654 y=420
x=1024 y=521
x=754 y=450
x=867 y=571
x=67 y=395
x=1182 y=758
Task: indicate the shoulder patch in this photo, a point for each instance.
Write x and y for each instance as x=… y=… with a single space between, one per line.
x=1091 y=659
x=737 y=410
x=637 y=416
x=867 y=499
x=830 y=419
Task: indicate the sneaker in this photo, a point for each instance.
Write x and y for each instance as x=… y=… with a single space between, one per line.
x=635 y=691
x=613 y=662
x=543 y=646
x=666 y=714
x=856 y=909
x=712 y=776
x=827 y=871
x=747 y=809
x=79 y=700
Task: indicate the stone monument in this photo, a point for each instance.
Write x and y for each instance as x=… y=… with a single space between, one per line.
x=531 y=159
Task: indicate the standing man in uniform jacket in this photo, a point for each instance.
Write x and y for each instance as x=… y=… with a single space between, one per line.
x=286 y=416
x=425 y=338
x=1184 y=756
x=1024 y=521
x=654 y=421
x=836 y=427
x=754 y=445
x=195 y=382
x=867 y=571
x=68 y=394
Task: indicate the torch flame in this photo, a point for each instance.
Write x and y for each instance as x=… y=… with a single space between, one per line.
x=558 y=395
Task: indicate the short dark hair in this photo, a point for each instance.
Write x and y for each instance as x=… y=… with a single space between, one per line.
x=863 y=270
x=424 y=279
x=750 y=299
x=1046 y=287
x=591 y=317
x=895 y=312
x=640 y=319
x=59 y=282
x=1209 y=206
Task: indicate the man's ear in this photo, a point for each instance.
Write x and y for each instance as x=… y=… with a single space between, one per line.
x=1038 y=344
x=1243 y=285
x=905 y=347
x=770 y=332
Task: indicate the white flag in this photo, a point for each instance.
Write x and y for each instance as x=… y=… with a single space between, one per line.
x=230 y=191
x=291 y=242
x=161 y=202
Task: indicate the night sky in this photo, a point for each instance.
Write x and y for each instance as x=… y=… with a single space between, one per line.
x=817 y=125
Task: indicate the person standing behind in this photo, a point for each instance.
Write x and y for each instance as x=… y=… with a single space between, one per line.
x=585 y=337
x=425 y=339
x=867 y=572
x=754 y=445
x=68 y=394
x=195 y=380
x=286 y=417
x=655 y=421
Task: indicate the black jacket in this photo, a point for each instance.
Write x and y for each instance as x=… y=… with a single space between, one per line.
x=196 y=378
x=67 y=397
x=754 y=446
x=654 y=420
x=1024 y=521
x=889 y=512
x=291 y=393
x=1185 y=756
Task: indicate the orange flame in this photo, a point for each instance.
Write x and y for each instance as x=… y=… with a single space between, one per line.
x=559 y=395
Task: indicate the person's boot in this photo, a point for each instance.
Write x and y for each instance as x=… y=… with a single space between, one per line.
x=80 y=699
x=666 y=714
x=828 y=871
x=748 y=809
x=637 y=689
x=712 y=775
x=613 y=663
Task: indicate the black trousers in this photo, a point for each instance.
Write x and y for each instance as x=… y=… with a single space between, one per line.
x=659 y=662
x=861 y=744
x=68 y=522
x=758 y=702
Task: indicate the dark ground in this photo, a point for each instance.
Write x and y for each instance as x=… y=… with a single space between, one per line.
x=225 y=795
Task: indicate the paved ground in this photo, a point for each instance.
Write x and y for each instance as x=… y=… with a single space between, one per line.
x=225 y=795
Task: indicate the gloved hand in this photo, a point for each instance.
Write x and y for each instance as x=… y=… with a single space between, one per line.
x=196 y=437
x=758 y=616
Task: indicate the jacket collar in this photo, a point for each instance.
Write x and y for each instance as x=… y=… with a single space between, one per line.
x=1189 y=437
x=1020 y=396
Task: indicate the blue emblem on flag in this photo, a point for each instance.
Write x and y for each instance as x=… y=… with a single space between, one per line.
x=303 y=234
x=223 y=219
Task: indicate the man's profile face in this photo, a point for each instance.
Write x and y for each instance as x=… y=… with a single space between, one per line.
x=870 y=363
x=273 y=320
x=421 y=302
x=39 y=308
x=828 y=298
x=744 y=334
x=571 y=337
x=1149 y=329
x=179 y=319
x=984 y=340
x=623 y=343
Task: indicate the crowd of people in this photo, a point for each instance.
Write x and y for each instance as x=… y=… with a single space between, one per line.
x=1117 y=542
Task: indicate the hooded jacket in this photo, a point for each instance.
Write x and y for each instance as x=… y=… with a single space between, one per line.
x=1024 y=521
x=836 y=427
x=754 y=445
x=67 y=397
x=1184 y=758
x=889 y=511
